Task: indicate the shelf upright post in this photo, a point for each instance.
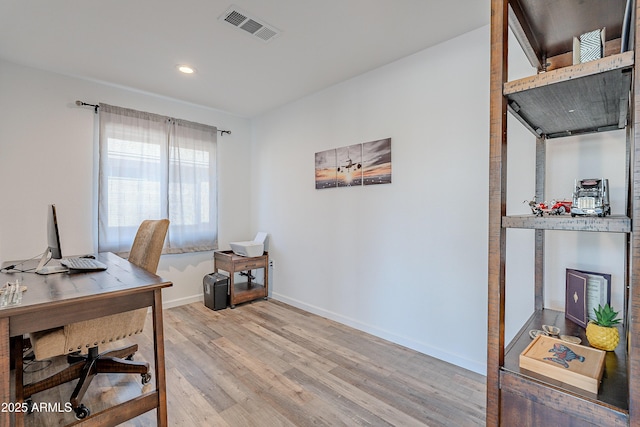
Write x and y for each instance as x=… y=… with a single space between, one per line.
x=633 y=329
x=497 y=207
x=541 y=161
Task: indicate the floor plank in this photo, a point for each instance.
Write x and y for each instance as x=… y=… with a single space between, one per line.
x=269 y=364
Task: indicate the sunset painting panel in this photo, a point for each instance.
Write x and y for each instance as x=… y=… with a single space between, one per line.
x=376 y=162
x=326 y=173
x=349 y=165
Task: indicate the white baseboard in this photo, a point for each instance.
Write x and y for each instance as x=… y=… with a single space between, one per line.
x=463 y=362
x=182 y=301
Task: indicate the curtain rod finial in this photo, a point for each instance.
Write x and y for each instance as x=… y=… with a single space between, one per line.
x=82 y=103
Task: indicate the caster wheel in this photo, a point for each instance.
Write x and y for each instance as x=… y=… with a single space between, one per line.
x=82 y=412
x=146 y=379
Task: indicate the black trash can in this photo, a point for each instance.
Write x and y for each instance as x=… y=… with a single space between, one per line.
x=216 y=294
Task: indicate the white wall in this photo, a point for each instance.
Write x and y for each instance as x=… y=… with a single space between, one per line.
x=47 y=156
x=408 y=261
x=405 y=261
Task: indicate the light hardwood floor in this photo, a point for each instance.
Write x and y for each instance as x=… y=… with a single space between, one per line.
x=269 y=364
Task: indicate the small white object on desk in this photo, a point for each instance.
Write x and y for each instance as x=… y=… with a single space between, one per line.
x=255 y=247
x=12 y=294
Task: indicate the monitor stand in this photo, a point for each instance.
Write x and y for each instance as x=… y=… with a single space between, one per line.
x=41 y=269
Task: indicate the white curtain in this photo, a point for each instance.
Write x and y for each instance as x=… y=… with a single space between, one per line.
x=152 y=167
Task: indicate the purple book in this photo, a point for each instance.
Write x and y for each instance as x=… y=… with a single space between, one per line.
x=585 y=291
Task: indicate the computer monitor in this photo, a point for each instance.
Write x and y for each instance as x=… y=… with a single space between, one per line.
x=53 y=235
x=53 y=244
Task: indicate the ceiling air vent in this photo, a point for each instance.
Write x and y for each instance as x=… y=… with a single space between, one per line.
x=256 y=27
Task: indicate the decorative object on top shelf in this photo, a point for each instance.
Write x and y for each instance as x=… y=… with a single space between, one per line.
x=584 y=292
x=589 y=46
x=591 y=197
x=602 y=333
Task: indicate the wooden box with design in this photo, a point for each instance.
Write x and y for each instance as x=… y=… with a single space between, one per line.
x=572 y=364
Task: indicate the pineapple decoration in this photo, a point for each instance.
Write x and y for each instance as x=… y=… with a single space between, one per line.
x=602 y=333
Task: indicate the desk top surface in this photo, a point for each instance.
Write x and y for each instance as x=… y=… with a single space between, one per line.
x=121 y=277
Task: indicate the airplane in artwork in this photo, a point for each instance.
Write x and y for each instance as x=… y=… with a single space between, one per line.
x=349 y=165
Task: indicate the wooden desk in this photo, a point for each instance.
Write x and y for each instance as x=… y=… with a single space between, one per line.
x=244 y=291
x=59 y=299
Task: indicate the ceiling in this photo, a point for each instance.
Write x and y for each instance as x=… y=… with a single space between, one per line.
x=139 y=43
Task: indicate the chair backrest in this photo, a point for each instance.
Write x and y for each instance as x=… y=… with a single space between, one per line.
x=80 y=336
x=148 y=243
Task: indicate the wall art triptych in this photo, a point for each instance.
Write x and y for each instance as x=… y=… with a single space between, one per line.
x=360 y=164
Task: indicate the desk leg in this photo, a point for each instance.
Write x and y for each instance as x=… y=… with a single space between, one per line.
x=158 y=338
x=17 y=349
x=266 y=278
x=5 y=370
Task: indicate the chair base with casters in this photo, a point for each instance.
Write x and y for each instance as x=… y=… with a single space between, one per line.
x=84 y=367
x=78 y=337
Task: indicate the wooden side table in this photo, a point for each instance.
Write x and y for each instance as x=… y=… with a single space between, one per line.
x=243 y=291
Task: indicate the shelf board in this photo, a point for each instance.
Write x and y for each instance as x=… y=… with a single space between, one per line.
x=613 y=390
x=611 y=223
x=582 y=98
x=244 y=292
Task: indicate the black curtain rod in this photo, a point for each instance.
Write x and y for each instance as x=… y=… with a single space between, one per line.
x=95 y=110
x=82 y=104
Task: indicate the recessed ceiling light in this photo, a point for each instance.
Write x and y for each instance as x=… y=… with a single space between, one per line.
x=186 y=69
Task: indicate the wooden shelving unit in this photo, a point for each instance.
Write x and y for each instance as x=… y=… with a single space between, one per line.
x=562 y=100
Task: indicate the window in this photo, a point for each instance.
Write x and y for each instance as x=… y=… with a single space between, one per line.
x=154 y=167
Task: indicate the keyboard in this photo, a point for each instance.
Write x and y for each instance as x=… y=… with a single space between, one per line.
x=88 y=264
